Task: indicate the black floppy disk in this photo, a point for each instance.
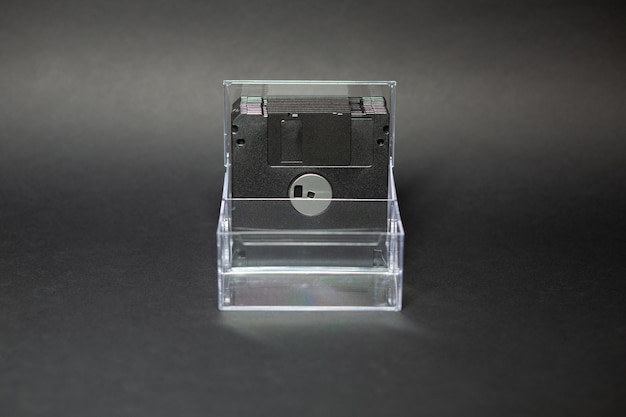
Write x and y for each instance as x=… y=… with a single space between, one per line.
x=301 y=162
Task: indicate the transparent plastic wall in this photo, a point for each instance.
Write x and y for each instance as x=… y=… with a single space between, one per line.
x=283 y=251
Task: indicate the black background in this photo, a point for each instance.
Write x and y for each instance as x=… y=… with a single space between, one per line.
x=510 y=167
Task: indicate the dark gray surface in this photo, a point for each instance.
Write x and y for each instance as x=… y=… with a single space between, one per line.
x=510 y=170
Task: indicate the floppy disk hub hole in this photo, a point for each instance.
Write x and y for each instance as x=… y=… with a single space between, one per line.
x=310 y=194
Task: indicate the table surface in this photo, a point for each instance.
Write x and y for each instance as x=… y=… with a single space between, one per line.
x=510 y=170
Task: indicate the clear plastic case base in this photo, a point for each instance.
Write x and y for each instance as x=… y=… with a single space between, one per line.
x=336 y=243
x=310 y=269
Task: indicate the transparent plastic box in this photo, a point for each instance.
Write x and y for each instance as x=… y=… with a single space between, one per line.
x=309 y=217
